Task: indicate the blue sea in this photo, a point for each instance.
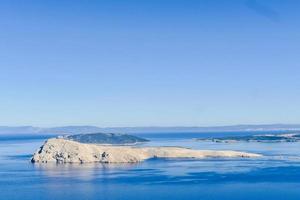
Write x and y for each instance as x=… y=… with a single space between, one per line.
x=275 y=176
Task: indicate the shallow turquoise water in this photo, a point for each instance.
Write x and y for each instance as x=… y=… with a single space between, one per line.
x=275 y=176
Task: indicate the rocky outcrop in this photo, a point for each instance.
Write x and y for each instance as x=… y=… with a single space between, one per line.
x=66 y=151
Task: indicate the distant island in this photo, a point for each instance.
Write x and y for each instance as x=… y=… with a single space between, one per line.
x=152 y=129
x=105 y=138
x=267 y=138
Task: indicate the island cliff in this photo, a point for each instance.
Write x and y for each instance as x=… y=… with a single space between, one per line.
x=66 y=151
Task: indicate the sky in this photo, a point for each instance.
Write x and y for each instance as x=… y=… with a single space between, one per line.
x=149 y=63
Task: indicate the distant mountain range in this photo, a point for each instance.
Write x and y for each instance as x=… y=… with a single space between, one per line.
x=95 y=129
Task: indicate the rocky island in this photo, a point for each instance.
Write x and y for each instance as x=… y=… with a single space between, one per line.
x=61 y=150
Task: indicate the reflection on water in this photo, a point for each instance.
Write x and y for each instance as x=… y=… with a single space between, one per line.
x=174 y=171
x=87 y=171
x=274 y=176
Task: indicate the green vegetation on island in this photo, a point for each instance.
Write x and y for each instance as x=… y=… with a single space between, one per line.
x=105 y=138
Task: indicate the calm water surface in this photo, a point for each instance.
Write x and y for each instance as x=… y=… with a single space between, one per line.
x=275 y=176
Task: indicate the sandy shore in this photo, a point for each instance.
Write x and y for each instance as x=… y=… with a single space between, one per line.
x=66 y=151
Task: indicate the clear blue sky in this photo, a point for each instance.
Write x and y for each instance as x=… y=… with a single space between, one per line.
x=139 y=63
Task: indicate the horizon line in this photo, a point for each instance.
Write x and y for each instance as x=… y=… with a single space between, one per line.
x=157 y=126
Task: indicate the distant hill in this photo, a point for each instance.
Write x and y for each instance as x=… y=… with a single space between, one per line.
x=94 y=129
x=54 y=130
x=19 y=129
x=106 y=138
x=179 y=129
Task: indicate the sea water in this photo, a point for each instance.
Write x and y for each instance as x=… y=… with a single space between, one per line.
x=274 y=176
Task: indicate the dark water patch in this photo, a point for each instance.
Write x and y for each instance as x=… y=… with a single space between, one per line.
x=19 y=157
x=271 y=174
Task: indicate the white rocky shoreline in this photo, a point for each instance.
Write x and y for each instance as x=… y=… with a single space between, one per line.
x=59 y=150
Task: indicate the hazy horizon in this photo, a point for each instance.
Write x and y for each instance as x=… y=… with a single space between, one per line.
x=225 y=125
